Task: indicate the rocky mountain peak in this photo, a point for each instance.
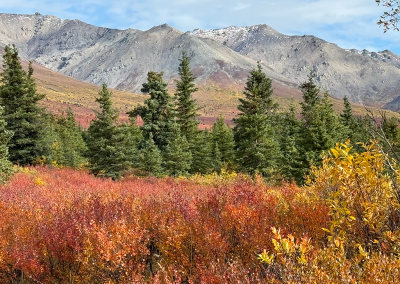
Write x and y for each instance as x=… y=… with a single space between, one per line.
x=232 y=34
x=224 y=56
x=385 y=56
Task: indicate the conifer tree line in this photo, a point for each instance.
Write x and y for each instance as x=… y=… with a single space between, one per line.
x=265 y=140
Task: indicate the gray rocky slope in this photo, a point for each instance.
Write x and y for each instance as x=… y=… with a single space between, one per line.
x=362 y=76
x=122 y=58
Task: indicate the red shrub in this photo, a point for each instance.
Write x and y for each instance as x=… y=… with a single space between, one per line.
x=60 y=225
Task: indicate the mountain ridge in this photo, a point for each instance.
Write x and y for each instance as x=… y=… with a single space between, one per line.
x=337 y=70
x=223 y=57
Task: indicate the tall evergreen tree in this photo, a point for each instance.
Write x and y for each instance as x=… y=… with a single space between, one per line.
x=347 y=116
x=322 y=126
x=68 y=147
x=186 y=108
x=202 y=156
x=158 y=111
x=186 y=112
x=22 y=114
x=6 y=168
x=150 y=157
x=177 y=157
x=291 y=163
x=391 y=132
x=256 y=145
x=311 y=99
x=349 y=122
x=357 y=129
x=223 y=144
x=110 y=149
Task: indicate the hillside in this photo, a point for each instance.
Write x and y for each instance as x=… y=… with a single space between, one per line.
x=368 y=78
x=220 y=58
x=63 y=91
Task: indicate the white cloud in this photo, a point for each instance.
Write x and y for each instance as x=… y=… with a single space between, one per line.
x=347 y=23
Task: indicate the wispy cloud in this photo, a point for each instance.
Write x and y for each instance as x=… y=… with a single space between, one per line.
x=350 y=24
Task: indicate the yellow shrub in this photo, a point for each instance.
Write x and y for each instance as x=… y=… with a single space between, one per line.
x=360 y=196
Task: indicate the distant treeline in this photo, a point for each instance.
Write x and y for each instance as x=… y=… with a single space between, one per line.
x=265 y=140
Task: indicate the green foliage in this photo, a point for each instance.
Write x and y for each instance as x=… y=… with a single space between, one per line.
x=322 y=125
x=111 y=147
x=357 y=129
x=311 y=99
x=6 y=168
x=158 y=111
x=223 y=145
x=390 y=127
x=68 y=147
x=21 y=111
x=186 y=108
x=256 y=145
x=291 y=164
x=177 y=157
x=150 y=157
x=202 y=160
x=347 y=117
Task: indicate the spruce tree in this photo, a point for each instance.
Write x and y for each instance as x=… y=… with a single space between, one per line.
x=158 y=111
x=257 y=149
x=68 y=147
x=150 y=157
x=133 y=140
x=350 y=123
x=110 y=149
x=22 y=114
x=291 y=163
x=391 y=134
x=6 y=168
x=202 y=153
x=322 y=125
x=347 y=116
x=311 y=99
x=223 y=145
x=186 y=108
x=177 y=157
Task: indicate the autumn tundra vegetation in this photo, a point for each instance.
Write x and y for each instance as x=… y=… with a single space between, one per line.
x=297 y=196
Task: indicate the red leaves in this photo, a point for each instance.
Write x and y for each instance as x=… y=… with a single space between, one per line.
x=74 y=227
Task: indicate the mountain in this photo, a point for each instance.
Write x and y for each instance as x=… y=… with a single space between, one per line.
x=120 y=58
x=62 y=92
x=221 y=59
x=369 y=78
x=385 y=56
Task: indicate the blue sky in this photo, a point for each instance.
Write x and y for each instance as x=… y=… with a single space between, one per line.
x=348 y=23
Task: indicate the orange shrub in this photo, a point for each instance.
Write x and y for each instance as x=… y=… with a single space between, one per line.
x=65 y=226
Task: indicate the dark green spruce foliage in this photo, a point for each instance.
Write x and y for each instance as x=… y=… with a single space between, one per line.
x=150 y=157
x=158 y=111
x=357 y=129
x=257 y=149
x=291 y=164
x=322 y=126
x=347 y=117
x=186 y=108
x=133 y=139
x=223 y=145
x=391 y=131
x=202 y=156
x=111 y=150
x=68 y=147
x=22 y=114
x=177 y=157
x=6 y=167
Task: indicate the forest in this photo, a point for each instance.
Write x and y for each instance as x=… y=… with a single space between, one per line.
x=295 y=196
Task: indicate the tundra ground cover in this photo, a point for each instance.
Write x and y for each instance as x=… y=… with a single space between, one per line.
x=66 y=226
